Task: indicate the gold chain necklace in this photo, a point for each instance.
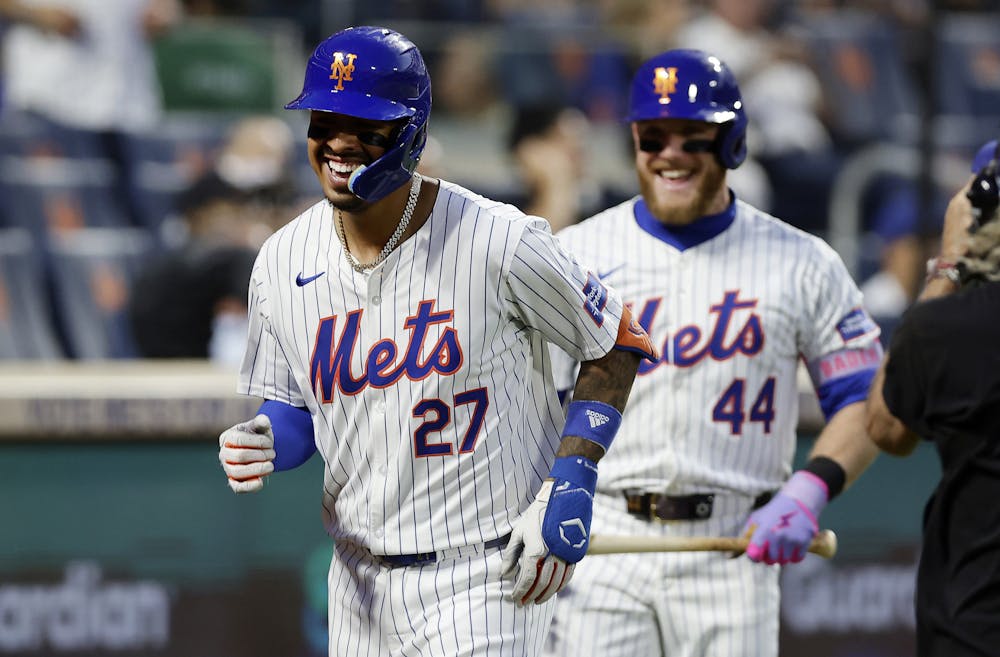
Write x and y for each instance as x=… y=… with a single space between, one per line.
x=411 y=204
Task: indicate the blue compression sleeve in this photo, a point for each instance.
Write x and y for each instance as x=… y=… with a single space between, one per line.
x=293 y=434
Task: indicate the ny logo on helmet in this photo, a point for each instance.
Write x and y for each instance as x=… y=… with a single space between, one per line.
x=665 y=82
x=340 y=71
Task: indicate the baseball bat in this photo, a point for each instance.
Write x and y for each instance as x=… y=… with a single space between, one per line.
x=825 y=544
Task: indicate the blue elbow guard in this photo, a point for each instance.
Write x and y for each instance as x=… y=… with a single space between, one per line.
x=293 y=434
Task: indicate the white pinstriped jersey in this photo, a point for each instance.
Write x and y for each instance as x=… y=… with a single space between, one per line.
x=428 y=378
x=732 y=317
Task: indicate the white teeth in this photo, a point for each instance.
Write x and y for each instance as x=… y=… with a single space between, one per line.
x=675 y=175
x=340 y=167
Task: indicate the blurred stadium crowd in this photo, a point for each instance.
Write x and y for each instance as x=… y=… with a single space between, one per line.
x=144 y=154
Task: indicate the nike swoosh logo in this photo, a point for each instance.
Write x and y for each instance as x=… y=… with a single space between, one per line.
x=305 y=281
x=603 y=275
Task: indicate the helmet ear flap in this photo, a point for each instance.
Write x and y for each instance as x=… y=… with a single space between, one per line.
x=732 y=144
x=394 y=168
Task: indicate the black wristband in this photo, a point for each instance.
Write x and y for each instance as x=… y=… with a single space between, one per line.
x=830 y=472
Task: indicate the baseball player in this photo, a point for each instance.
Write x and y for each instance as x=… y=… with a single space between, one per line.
x=399 y=327
x=734 y=298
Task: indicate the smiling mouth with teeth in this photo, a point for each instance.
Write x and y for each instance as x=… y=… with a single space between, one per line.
x=341 y=167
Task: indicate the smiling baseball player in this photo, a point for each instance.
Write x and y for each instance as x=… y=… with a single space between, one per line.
x=399 y=328
x=735 y=298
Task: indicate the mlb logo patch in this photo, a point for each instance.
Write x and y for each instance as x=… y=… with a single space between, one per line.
x=855 y=324
x=597 y=298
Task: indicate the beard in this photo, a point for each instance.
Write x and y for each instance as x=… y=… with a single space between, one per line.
x=352 y=204
x=668 y=210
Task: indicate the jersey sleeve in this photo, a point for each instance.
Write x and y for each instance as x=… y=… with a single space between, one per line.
x=552 y=293
x=265 y=371
x=837 y=338
x=564 y=370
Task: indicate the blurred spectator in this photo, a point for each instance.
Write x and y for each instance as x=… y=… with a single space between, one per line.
x=54 y=20
x=85 y=64
x=560 y=52
x=191 y=301
x=648 y=27
x=893 y=222
x=470 y=119
x=86 y=67
x=784 y=100
x=307 y=15
x=904 y=233
x=548 y=146
x=377 y=12
x=255 y=161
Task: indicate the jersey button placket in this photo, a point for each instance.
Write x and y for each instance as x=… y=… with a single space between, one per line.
x=683 y=265
x=375 y=289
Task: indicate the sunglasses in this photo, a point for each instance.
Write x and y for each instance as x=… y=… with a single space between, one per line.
x=654 y=145
x=368 y=138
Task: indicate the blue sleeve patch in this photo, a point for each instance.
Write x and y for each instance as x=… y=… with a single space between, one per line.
x=855 y=324
x=842 y=391
x=293 y=434
x=597 y=298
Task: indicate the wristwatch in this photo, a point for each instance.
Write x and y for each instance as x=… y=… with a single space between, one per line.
x=941 y=268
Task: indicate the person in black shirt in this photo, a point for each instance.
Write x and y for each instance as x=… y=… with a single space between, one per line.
x=190 y=301
x=941 y=382
x=183 y=299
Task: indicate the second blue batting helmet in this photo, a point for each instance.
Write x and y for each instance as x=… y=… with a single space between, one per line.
x=378 y=74
x=692 y=84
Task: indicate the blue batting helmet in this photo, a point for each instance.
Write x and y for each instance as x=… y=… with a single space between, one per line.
x=986 y=153
x=691 y=84
x=378 y=74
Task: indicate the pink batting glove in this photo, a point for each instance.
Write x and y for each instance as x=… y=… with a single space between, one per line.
x=783 y=528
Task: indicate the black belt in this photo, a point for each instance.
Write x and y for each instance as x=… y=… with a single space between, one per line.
x=654 y=506
x=424 y=558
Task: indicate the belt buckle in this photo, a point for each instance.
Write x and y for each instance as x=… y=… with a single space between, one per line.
x=653 y=517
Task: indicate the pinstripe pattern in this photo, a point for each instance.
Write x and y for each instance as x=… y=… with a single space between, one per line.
x=509 y=287
x=694 y=604
x=801 y=290
x=678 y=435
x=450 y=608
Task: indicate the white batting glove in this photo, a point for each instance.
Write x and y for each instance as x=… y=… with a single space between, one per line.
x=540 y=575
x=246 y=451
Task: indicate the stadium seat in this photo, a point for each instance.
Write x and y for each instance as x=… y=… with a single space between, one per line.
x=968 y=79
x=92 y=272
x=27 y=331
x=47 y=195
x=868 y=87
x=165 y=163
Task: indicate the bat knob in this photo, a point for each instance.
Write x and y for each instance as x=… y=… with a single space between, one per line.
x=825 y=544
